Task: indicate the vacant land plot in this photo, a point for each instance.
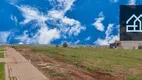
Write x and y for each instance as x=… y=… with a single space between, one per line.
x=93 y=63
x=1 y=52
x=2 y=73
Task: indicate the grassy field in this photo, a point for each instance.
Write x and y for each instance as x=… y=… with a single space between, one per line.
x=1 y=52
x=115 y=61
x=2 y=73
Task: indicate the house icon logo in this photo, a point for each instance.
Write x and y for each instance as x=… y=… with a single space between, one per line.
x=130 y=23
x=136 y=26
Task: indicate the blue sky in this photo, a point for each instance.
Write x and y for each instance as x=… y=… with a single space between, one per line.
x=93 y=22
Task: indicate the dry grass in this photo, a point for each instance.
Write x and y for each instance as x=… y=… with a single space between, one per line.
x=115 y=61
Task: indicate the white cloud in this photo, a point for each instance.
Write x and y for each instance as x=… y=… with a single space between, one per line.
x=109 y=30
x=132 y=2
x=113 y=38
x=46 y=36
x=114 y=1
x=73 y=27
x=67 y=25
x=60 y=8
x=31 y=14
x=55 y=14
x=43 y=36
x=20 y=43
x=62 y=24
x=98 y=23
x=77 y=42
x=4 y=37
x=69 y=21
x=101 y=42
x=13 y=1
x=14 y=18
x=88 y=38
x=65 y=4
x=109 y=37
x=76 y=29
x=24 y=38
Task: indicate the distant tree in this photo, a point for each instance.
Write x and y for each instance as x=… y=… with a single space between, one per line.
x=65 y=44
x=57 y=45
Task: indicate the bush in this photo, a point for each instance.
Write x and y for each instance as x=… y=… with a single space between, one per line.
x=57 y=45
x=65 y=45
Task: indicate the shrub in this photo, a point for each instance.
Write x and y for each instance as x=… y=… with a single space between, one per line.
x=65 y=44
x=57 y=45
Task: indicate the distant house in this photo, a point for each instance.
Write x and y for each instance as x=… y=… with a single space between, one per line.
x=116 y=44
x=126 y=45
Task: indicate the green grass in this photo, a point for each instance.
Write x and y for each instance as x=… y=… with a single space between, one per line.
x=111 y=60
x=2 y=73
x=1 y=48
x=1 y=55
x=136 y=77
x=1 y=52
x=91 y=68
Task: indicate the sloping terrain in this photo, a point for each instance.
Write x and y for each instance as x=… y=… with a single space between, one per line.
x=85 y=63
